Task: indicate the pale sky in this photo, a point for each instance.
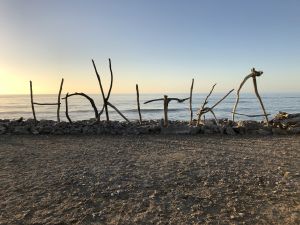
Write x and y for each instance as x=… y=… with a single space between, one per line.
x=159 y=44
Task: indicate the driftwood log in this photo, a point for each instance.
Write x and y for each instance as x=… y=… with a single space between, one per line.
x=252 y=75
x=204 y=109
x=37 y=103
x=83 y=95
x=166 y=102
x=138 y=102
x=106 y=98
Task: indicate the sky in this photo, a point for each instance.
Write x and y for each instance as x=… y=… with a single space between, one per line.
x=159 y=44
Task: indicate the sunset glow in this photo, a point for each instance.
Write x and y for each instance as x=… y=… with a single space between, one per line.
x=159 y=45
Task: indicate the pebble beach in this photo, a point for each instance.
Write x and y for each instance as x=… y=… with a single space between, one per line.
x=149 y=179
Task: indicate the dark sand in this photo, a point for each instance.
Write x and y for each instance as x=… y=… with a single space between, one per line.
x=149 y=180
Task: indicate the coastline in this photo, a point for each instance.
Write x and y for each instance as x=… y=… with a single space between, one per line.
x=282 y=124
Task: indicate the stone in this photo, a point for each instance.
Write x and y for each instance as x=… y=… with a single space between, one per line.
x=47 y=129
x=75 y=130
x=293 y=130
x=250 y=125
x=264 y=132
x=34 y=131
x=239 y=130
x=21 y=130
x=195 y=130
x=88 y=130
x=2 y=129
x=171 y=129
x=229 y=130
x=279 y=131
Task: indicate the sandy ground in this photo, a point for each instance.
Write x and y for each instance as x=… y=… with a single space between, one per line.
x=149 y=180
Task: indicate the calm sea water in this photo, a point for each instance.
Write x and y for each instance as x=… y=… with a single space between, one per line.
x=16 y=106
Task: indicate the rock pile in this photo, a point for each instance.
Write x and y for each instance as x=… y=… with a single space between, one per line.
x=283 y=123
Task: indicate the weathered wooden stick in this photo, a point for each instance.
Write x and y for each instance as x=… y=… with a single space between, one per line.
x=257 y=115
x=225 y=96
x=32 y=103
x=170 y=99
x=212 y=112
x=166 y=103
x=36 y=103
x=58 y=100
x=138 y=102
x=209 y=94
x=115 y=108
x=102 y=91
x=67 y=108
x=87 y=97
x=111 y=80
x=191 y=106
x=238 y=95
x=259 y=98
x=204 y=104
x=100 y=113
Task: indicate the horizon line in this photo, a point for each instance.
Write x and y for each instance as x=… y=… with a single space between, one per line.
x=149 y=93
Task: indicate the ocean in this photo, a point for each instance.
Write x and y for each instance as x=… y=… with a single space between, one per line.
x=16 y=106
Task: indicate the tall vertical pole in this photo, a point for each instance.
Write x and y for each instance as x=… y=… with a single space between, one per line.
x=138 y=102
x=191 y=107
x=32 y=104
x=166 y=103
x=58 y=100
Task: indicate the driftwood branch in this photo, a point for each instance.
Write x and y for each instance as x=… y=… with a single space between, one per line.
x=166 y=104
x=111 y=80
x=259 y=98
x=169 y=99
x=238 y=94
x=138 y=102
x=32 y=103
x=209 y=94
x=253 y=74
x=118 y=111
x=205 y=109
x=58 y=99
x=191 y=106
x=100 y=113
x=257 y=115
x=105 y=99
x=36 y=103
x=204 y=104
x=225 y=96
x=87 y=97
x=67 y=108
x=102 y=91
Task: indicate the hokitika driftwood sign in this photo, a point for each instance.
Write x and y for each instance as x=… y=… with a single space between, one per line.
x=166 y=100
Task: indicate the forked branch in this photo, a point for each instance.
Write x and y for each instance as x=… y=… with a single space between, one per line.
x=106 y=98
x=203 y=110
